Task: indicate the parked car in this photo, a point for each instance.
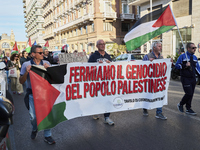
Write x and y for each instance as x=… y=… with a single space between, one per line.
x=129 y=57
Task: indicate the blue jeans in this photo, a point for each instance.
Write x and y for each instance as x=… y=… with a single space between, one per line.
x=159 y=110
x=33 y=120
x=8 y=79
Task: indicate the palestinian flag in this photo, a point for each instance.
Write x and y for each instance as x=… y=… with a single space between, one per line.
x=46 y=108
x=15 y=49
x=145 y=29
x=28 y=47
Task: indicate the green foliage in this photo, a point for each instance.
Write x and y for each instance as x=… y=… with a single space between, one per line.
x=175 y=58
x=115 y=49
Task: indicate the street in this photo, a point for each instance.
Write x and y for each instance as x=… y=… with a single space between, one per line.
x=132 y=130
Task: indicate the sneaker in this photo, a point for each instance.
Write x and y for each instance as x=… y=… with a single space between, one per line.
x=180 y=107
x=19 y=93
x=160 y=116
x=49 y=140
x=14 y=92
x=145 y=112
x=33 y=134
x=108 y=121
x=96 y=117
x=190 y=112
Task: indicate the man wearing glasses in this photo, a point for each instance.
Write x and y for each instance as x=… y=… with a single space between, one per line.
x=101 y=56
x=188 y=67
x=37 y=53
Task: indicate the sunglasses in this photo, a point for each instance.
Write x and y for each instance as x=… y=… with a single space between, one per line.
x=193 y=47
x=39 y=53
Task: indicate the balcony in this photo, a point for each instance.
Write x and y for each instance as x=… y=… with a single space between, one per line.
x=24 y=10
x=127 y=16
x=24 y=1
x=110 y=15
x=137 y=2
x=24 y=6
x=77 y=22
x=48 y=36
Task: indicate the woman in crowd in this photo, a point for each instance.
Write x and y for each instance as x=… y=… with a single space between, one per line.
x=15 y=85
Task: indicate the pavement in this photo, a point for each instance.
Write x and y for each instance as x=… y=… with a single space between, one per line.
x=132 y=130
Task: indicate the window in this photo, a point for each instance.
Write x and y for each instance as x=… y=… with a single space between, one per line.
x=86 y=31
x=124 y=57
x=125 y=27
x=81 y=29
x=107 y=26
x=92 y=26
x=76 y=32
x=185 y=34
x=125 y=8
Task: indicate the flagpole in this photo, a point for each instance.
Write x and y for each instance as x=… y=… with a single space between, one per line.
x=151 y=20
x=179 y=34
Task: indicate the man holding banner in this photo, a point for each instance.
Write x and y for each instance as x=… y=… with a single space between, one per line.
x=155 y=54
x=37 y=53
x=101 y=56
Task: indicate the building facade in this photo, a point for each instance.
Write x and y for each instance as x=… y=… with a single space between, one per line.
x=80 y=23
x=7 y=42
x=34 y=21
x=186 y=13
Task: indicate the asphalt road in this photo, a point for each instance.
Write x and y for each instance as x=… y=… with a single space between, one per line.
x=131 y=130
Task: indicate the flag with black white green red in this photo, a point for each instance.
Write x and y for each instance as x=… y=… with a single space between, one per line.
x=15 y=49
x=28 y=47
x=144 y=29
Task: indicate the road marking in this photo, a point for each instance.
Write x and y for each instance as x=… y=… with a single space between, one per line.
x=177 y=112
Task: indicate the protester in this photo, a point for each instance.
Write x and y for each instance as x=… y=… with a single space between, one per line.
x=37 y=54
x=8 y=55
x=29 y=57
x=46 y=54
x=24 y=57
x=101 y=56
x=187 y=66
x=7 y=69
x=20 y=55
x=15 y=85
x=155 y=54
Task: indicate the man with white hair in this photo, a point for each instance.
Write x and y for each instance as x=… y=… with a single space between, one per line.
x=155 y=54
x=101 y=56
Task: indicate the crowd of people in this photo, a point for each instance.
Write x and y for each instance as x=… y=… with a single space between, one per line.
x=187 y=63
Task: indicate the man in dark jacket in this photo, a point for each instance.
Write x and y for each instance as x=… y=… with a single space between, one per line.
x=101 y=56
x=188 y=68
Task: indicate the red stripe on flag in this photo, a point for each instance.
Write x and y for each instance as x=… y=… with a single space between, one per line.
x=44 y=95
x=166 y=19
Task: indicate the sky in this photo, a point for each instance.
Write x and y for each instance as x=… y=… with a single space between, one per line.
x=12 y=18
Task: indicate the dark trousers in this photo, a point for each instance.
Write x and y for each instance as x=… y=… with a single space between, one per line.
x=106 y=115
x=188 y=87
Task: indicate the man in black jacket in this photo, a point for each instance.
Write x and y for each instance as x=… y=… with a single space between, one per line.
x=101 y=56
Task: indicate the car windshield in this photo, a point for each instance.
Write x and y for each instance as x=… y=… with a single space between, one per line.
x=137 y=56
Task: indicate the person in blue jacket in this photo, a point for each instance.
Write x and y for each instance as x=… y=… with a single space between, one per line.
x=188 y=68
x=101 y=56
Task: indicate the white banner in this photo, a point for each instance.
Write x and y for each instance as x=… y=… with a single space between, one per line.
x=96 y=88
